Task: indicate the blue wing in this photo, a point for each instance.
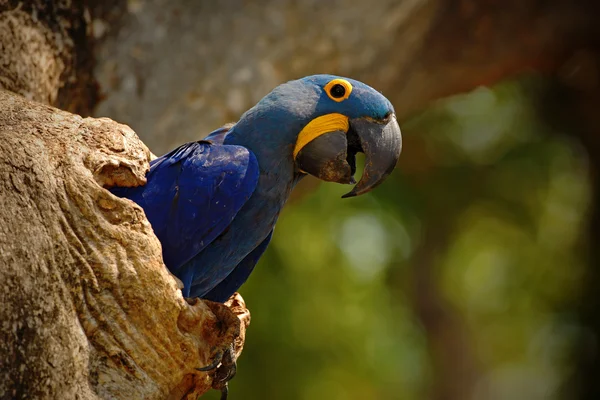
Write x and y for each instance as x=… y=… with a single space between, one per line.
x=238 y=276
x=193 y=193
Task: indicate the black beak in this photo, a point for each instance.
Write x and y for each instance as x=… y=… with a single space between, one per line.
x=332 y=156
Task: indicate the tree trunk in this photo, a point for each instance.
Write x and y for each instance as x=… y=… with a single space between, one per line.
x=88 y=308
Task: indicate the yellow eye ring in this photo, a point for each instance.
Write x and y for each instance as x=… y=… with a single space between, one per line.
x=338 y=89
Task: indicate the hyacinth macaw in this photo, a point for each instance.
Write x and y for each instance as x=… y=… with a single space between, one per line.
x=213 y=203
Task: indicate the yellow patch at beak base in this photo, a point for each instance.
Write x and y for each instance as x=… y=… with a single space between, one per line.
x=319 y=126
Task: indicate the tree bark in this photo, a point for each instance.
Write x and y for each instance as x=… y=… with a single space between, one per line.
x=88 y=309
x=46 y=53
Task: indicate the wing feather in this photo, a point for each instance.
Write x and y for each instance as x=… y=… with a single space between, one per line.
x=192 y=195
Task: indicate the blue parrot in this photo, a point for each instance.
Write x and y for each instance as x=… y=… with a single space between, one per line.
x=213 y=203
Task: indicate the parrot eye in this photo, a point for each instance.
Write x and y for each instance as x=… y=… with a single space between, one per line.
x=338 y=89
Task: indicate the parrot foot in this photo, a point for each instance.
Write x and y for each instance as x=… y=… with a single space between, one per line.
x=225 y=368
x=227 y=341
x=214 y=364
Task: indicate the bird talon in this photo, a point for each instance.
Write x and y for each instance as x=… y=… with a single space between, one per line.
x=214 y=364
x=225 y=391
x=226 y=371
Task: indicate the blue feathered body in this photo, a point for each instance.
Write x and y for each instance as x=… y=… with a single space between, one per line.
x=212 y=214
x=213 y=204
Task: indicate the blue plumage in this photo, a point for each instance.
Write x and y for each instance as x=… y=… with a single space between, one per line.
x=193 y=193
x=239 y=275
x=213 y=204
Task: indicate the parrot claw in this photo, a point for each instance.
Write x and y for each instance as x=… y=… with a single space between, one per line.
x=213 y=364
x=225 y=368
x=225 y=372
x=225 y=392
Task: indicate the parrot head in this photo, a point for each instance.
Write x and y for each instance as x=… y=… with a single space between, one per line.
x=318 y=124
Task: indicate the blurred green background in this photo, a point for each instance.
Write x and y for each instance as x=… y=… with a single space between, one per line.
x=462 y=270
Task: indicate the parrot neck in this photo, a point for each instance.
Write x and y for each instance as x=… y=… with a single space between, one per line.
x=278 y=174
x=270 y=130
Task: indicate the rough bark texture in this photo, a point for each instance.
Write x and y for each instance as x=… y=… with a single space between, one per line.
x=88 y=308
x=45 y=54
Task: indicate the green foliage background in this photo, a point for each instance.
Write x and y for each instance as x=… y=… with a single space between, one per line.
x=469 y=258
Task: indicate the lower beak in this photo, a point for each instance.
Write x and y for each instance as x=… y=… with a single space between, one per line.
x=331 y=156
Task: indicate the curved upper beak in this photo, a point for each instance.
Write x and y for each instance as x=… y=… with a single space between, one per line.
x=331 y=156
